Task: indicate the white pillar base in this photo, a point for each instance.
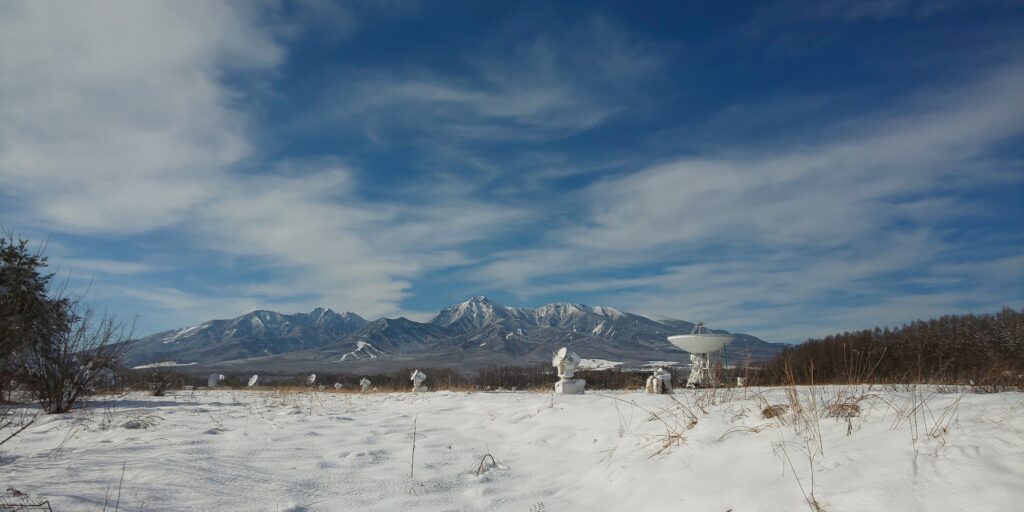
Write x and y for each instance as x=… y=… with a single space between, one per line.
x=419 y=389
x=570 y=387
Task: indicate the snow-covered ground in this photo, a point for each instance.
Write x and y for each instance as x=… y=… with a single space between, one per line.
x=597 y=364
x=696 y=450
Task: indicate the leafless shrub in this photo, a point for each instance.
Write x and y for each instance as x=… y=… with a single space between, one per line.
x=161 y=380
x=76 y=359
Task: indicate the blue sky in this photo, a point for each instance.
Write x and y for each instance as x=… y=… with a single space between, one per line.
x=787 y=169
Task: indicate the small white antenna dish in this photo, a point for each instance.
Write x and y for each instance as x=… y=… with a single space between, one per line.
x=213 y=379
x=252 y=381
x=311 y=379
x=417 y=379
x=365 y=384
x=566 y=361
x=700 y=343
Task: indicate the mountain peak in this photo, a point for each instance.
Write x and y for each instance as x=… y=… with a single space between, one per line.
x=474 y=312
x=478 y=300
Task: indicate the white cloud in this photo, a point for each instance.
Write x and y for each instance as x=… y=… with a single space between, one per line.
x=115 y=119
x=789 y=227
x=323 y=241
x=550 y=86
x=118 y=120
x=105 y=266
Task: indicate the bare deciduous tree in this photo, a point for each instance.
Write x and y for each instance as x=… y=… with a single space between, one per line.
x=78 y=357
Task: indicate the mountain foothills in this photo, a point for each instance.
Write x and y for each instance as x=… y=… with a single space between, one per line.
x=473 y=334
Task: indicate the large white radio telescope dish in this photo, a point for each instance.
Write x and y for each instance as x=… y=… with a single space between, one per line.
x=700 y=343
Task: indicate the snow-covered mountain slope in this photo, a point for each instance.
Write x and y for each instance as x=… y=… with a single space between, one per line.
x=478 y=312
x=254 y=334
x=399 y=335
x=477 y=330
x=363 y=350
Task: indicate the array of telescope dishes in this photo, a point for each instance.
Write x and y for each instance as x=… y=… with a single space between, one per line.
x=700 y=343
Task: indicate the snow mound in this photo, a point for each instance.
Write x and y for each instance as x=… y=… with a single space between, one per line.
x=598 y=364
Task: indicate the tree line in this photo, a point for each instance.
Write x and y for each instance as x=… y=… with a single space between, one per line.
x=980 y=350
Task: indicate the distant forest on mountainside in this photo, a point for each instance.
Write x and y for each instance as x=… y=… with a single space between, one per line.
x=983 y=350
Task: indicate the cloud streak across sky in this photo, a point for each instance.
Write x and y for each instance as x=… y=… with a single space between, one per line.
x=199 y=159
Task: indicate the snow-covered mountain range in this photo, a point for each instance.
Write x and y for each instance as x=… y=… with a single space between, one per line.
x=474 y=333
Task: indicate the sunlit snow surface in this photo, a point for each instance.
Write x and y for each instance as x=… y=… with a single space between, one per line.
x=597 y=364
x=164 y=364
x=261 y=450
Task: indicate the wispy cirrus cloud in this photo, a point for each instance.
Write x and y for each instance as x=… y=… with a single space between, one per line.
x=885 y=9
x=119 y=121
x=115 y=118
x=202 y=159
x=828 y=224
x=541 y=87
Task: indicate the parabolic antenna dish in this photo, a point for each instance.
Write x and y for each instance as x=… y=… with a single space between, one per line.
x=701 y=343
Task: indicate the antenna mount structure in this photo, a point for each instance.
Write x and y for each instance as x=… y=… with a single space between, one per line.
x=701 y=343
x=566 y=361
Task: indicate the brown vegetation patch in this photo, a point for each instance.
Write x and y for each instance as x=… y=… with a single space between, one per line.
x=774 y=411
x=842 y=410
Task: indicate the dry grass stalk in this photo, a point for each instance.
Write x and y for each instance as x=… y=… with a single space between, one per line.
x=484 y=467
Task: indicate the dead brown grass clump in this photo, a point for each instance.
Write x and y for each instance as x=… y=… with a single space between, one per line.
x=774 y=411
x=842 y=410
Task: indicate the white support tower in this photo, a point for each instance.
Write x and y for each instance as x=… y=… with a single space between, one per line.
x=700 y=343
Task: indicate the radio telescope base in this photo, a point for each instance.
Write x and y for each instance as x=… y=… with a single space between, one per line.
x=570 y=386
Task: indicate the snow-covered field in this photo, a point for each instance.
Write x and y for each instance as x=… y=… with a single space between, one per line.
x=697 y=450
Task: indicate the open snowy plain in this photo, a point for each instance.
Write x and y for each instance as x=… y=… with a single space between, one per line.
x=906 y=449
